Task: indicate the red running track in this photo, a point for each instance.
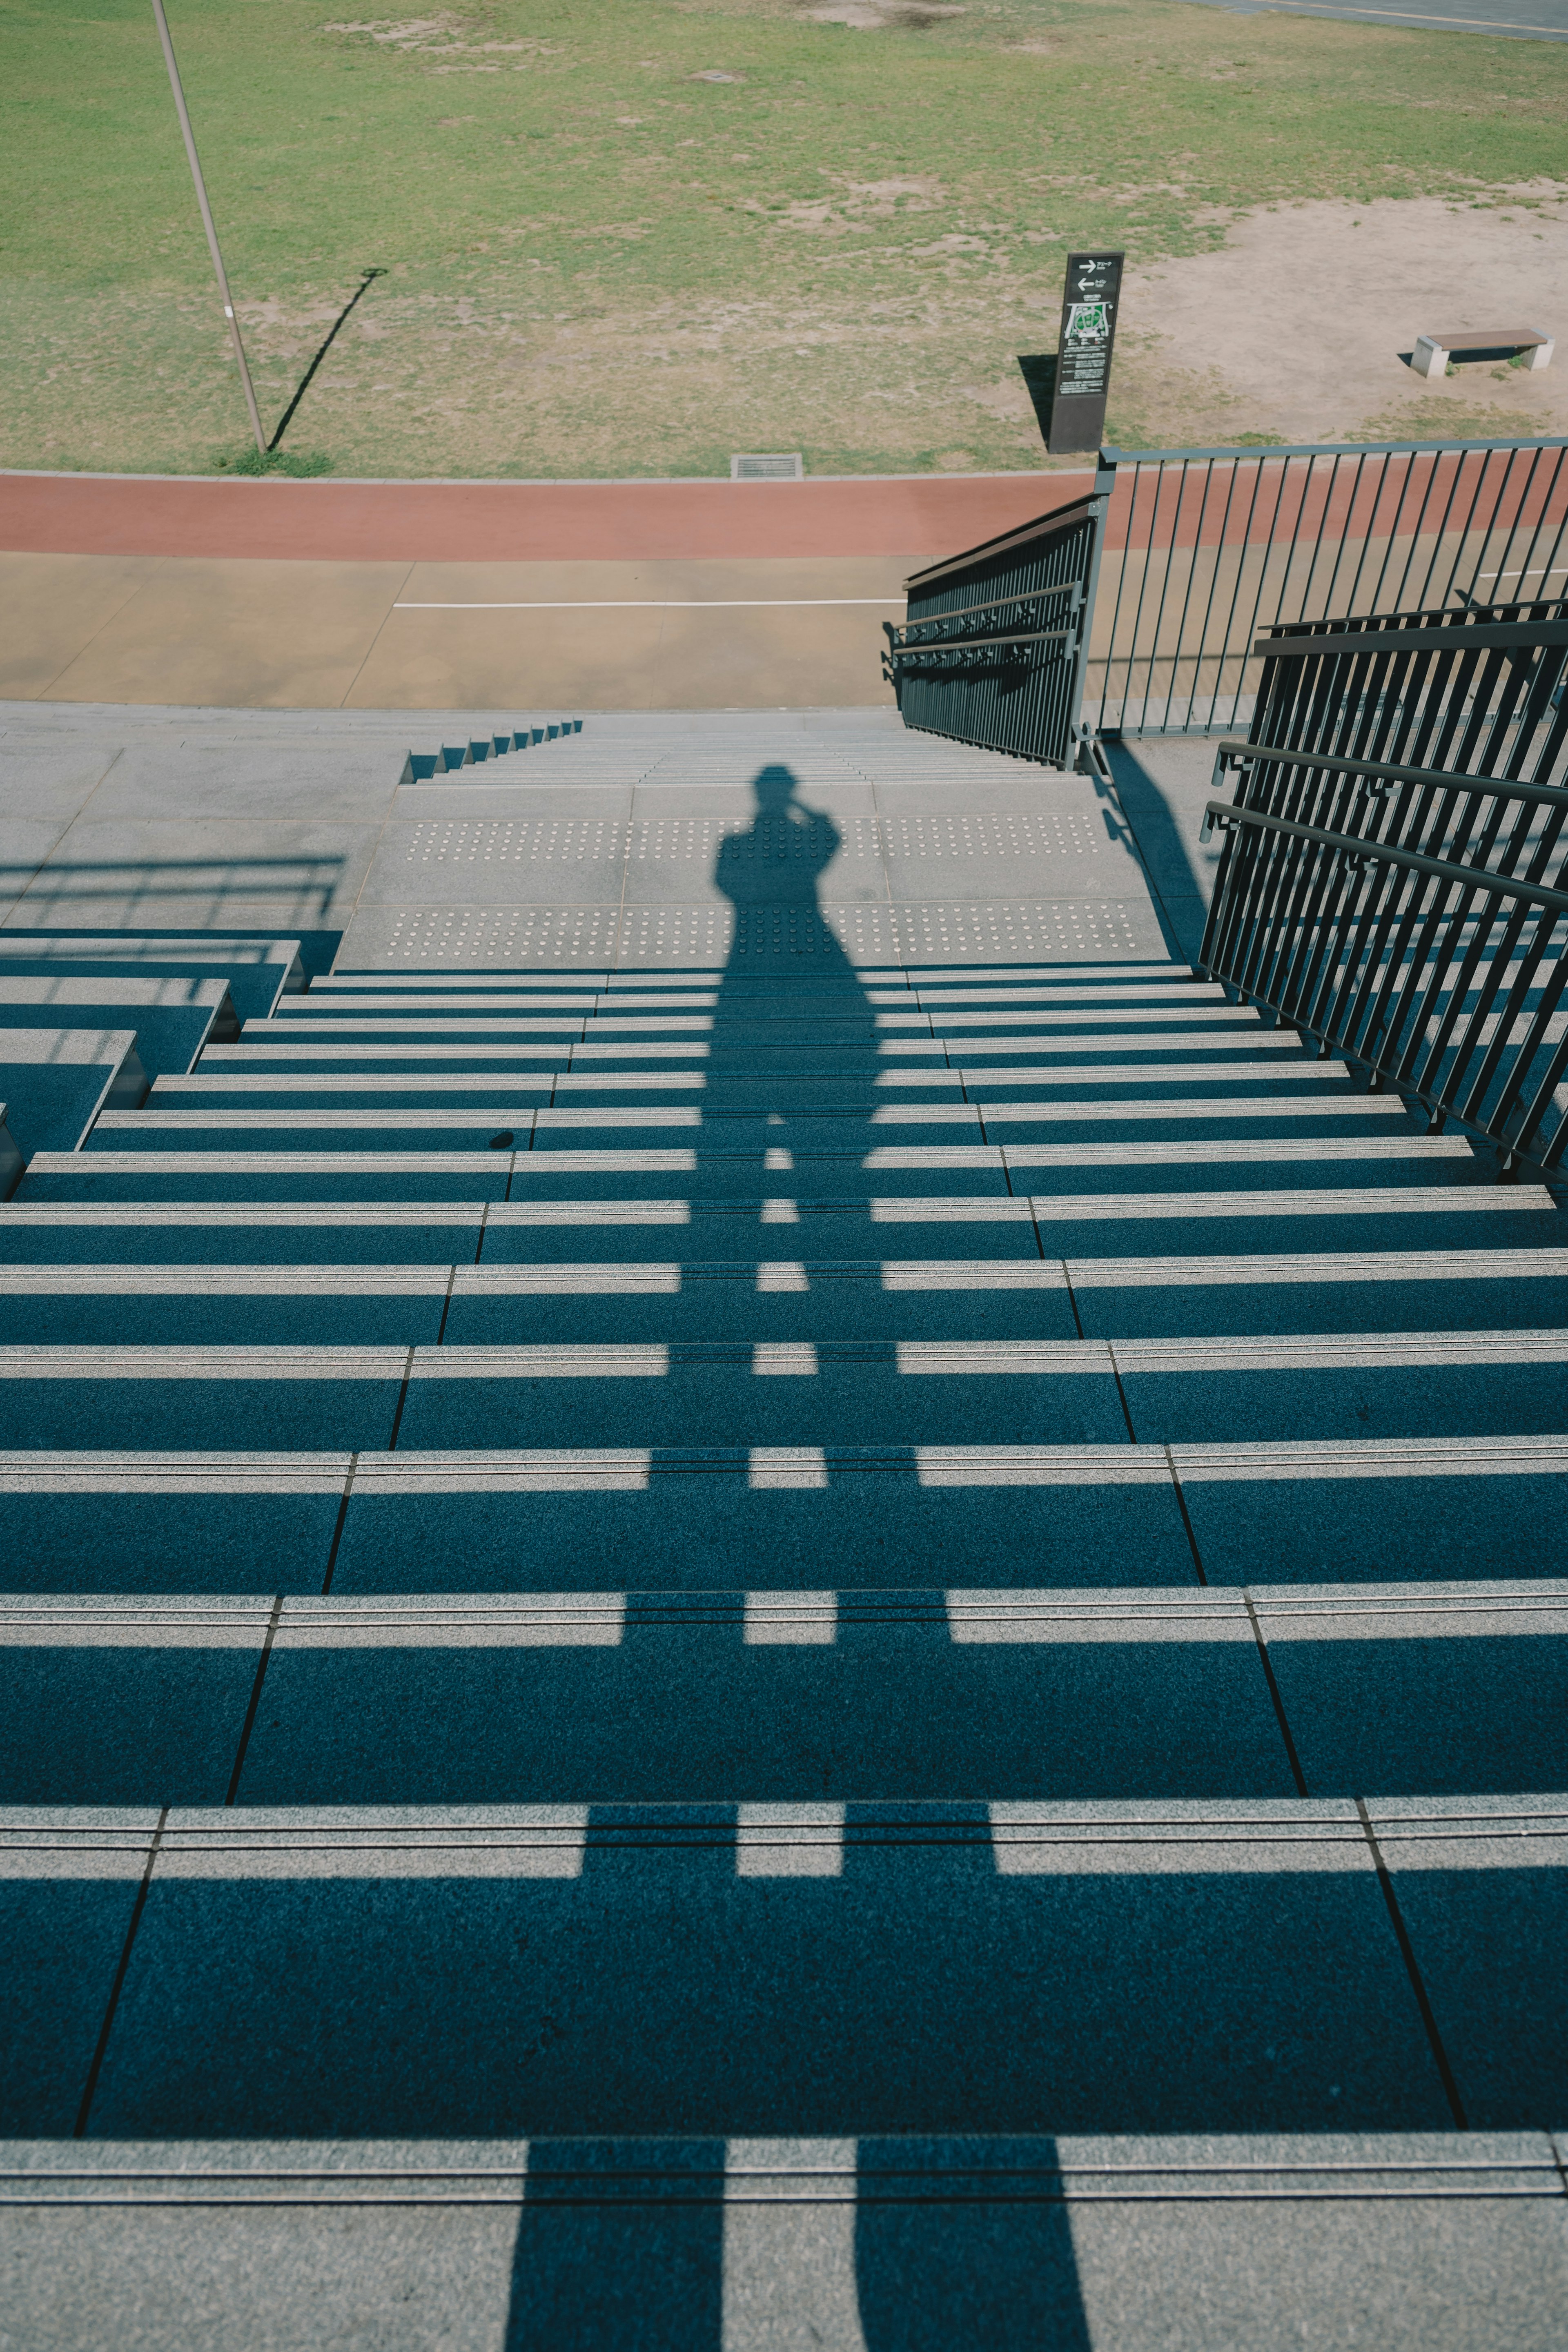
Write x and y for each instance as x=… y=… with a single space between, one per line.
x=490 y=522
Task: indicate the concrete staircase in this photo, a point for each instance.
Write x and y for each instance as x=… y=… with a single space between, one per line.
x=801 y=1654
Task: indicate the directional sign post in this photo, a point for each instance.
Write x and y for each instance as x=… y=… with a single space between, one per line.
x=1090 y=300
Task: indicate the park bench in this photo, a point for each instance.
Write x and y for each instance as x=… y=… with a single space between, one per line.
x=1433 y=352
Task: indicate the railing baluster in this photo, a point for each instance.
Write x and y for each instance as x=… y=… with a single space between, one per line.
x=1402 y=911
x=1321 y=522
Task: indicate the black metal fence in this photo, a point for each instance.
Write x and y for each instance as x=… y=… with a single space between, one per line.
x=1204 y=547
x=1393 y=879
x=991 y=652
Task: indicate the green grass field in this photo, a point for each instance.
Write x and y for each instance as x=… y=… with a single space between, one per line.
x=600 y=263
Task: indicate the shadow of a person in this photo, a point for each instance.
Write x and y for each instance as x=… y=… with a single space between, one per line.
x=793 y=1061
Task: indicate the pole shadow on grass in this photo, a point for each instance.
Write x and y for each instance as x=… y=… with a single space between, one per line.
x=322 y=348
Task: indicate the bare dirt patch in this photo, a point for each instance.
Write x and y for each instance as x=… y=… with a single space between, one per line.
x=1295 y=327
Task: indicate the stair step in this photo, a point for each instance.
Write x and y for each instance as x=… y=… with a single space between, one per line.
x=300 y=1190
x=909 y=1392
x=261 y=974
x=773 y=1123
x=55 y=1080
x=1146 y=2241
x=635 y=992
x=560 y=1098
x=262 y=1304
x=136 y=1230
x=413 y=1521
x=1444 y=1689
x=1063 y=1934
x=735 y=1095
x=340 y=1044
x=89 y=1300
x=819 y=1156
x=171 y=1019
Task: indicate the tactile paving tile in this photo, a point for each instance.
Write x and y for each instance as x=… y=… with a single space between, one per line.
x=1021 y=834
x=918 y=930
x=982 y=931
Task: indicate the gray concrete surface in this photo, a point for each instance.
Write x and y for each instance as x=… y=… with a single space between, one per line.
x=729 y=1631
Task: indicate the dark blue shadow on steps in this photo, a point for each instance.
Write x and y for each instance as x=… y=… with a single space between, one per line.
x=1335 y=1218
x=733 y=1232
x=61 y=1942
x=945 y=2261
x=137 y=1241
x=652 y=2246
x=1366 y=1531
x=324 y=1319
x=120 y=1726
x=858 y=1398
x=166 y=1543
x=1427 y=1716
x=693 y=1532
x=620 y=2246
x=1237 y=1169
x=722 y=1175
x=886 y=1710
x=48 y=1105
x=731 y=1311
x=269 y=1130
x=168 y=1036
x=1221 y=1310
x=485 y=1179
x=95 y=1412
x=1490 y=1944
x=1358 y=1401
x=660 y=1992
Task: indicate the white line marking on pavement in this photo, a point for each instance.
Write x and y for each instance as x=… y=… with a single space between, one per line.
x=651 y=605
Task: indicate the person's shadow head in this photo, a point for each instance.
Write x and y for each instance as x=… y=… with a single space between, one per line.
x=775 y=787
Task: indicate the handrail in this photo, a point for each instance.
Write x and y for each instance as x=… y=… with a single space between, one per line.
x=968 y=645
x=1266 y=755
x=1003 y=666
x=989 y=604
x=1021 y=536
x=1403 y=641
x=1454 y=996
x=1264 y=450
x=1477 y=878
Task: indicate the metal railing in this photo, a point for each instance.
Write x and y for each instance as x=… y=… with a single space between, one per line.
x=1394 y=878
x=1205 y=548
x=991 y=650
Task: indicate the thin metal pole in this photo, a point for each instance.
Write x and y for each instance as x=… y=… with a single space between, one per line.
x=207 y=221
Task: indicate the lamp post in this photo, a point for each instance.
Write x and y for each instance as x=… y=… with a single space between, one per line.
x=207 y=221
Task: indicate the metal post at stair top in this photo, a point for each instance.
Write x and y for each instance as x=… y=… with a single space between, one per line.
x=1085 y=740
x=207 y=223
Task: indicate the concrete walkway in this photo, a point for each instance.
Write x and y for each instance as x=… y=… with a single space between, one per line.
x=326 y=595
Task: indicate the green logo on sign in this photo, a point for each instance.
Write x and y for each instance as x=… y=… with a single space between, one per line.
x=1088 y=322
